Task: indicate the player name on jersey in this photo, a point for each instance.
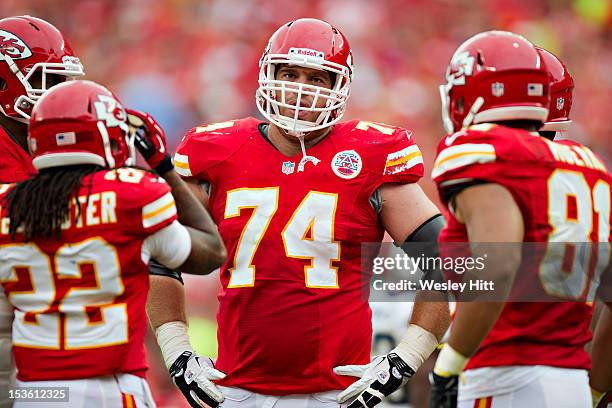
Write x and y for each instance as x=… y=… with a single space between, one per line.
x=576 y=155
x=95 y=209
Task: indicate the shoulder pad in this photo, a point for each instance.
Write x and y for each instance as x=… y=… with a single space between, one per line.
x=391 y=152
x=478 y=144
x=204 y=146
x=143 y=198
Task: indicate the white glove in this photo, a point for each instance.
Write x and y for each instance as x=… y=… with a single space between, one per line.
x=381 y=377
x=386 y=374
x=192 y=375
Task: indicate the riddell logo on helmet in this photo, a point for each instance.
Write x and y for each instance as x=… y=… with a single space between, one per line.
x=13 y=46
x=307 y=52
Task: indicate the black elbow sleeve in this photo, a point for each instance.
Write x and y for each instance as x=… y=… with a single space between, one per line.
x=423 y=242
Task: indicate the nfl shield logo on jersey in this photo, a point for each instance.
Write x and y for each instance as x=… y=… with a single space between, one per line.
x=346 y=164
x=288 y=167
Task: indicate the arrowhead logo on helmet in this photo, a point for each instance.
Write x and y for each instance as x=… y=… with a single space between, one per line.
x=461 y=66
x=13 y=46
x=111 y=112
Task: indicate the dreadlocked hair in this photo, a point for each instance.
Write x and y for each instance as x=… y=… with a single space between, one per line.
x=42 y=204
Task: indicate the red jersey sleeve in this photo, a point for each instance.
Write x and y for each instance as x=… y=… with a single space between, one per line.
x=467 y=157
x=392 y=155
x=145 y=202
x=16 y=164
x=203 y=147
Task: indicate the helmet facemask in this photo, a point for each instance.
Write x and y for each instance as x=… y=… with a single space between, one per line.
x=70 y=67
x=273 y=94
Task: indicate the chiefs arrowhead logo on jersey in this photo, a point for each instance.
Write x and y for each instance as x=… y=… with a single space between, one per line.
x=13 y=46
x=346 y=164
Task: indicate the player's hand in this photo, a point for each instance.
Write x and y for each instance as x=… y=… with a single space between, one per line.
x=192 y=374
x=150 y=140
x=444 y=390
x=383 y=376
x=445 y=378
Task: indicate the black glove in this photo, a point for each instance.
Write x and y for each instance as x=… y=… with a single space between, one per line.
x=443 y=391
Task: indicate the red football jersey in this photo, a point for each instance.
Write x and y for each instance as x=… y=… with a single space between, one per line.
x=80 y=299
x=16 y=163
x=292 y=304
x=562 y=190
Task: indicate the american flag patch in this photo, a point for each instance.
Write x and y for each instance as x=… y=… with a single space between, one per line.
x=535 y=89
x=66 y=138
x=403 y=160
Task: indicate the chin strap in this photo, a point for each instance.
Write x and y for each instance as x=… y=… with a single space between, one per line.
x=306 y=158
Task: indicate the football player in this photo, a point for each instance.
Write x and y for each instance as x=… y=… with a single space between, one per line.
x=75 y=240
x=294 y=198
x=34 y=55
x=494 y=165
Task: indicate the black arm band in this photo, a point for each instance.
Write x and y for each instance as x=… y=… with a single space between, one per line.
x=164 y=166
x=423 y=242
x=155 y=268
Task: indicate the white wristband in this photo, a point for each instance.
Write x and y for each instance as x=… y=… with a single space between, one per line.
x=450 y=362
x=173 y=341
x=416 y=346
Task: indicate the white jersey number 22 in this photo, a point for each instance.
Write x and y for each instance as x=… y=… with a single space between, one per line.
x=39 y=308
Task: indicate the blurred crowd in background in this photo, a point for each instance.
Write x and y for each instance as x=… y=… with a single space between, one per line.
x=191 y=62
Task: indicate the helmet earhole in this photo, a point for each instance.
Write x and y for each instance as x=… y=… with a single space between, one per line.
x=460 y=104
x=3 y=85
x=114 y=146
x=479 y=61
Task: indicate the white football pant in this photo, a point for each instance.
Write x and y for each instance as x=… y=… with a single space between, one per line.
x=120 y=390
x=529 y=386
x=239 y=398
